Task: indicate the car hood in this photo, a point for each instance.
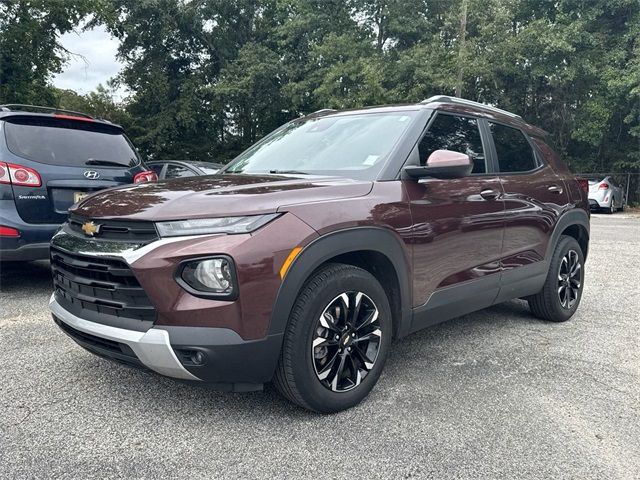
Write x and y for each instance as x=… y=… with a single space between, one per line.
x=216 y=196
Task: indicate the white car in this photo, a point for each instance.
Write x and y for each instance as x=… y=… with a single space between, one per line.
x=604 y=195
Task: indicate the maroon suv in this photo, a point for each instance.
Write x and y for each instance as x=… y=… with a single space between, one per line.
x=302 y=259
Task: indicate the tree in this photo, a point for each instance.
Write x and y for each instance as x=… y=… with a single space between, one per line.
x=30 y=50
x=250 y=89
x=209 y=77
x=100 y=103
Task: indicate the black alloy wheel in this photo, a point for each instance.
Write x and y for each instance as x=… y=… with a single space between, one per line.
x=336 y=340
x=347 y=341
x=562 y=291
x=569 y=279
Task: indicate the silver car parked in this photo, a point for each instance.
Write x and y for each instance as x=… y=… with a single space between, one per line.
x=605 y=195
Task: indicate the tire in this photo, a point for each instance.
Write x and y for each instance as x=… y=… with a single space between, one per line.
x=321 y=302
x=548 y=303
x=612 y=209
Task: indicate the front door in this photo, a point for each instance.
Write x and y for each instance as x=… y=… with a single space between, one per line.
x=457 y=227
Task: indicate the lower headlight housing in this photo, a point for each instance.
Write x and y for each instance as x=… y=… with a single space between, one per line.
x=210 y=277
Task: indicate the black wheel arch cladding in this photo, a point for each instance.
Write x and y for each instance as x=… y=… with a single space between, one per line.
x=575 y=217
x=332 y=245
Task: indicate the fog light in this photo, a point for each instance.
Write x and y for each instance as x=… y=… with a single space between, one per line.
x=198 y=358
x=213 y=277
x=214 y=274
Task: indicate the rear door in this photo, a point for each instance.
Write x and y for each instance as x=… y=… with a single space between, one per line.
x=534 y=197
x=72 y=156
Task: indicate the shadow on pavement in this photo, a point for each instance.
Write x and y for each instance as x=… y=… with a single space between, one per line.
x=138 y=385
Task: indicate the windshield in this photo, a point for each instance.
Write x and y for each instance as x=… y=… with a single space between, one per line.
x=354 y=146
x=69 y=143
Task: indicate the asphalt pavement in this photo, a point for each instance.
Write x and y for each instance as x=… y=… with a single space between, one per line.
x=495 y=394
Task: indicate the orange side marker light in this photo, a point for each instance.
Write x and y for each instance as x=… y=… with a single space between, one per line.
x=288 y=261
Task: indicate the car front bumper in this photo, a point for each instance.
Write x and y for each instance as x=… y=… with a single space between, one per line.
x=151 y=348
x=231 y=363
x=236 y=338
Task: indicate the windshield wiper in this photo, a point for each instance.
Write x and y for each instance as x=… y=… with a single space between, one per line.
x=291 y=172
x=97 y=161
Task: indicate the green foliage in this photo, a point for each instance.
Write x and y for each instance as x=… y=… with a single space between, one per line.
x=209 y=77
x=99 y=103
x=29 y=48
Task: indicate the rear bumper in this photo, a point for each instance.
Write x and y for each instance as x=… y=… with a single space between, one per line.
x=595 y=205
x=23 y=253
x=600 y=199
x=33 y=242
x=231 y=363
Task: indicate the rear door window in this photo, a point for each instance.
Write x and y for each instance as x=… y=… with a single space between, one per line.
x=69 y=142
x=455 y=133
x=514 y=151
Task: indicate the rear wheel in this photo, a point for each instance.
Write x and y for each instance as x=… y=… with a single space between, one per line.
x=336 y=341
x=559 y=298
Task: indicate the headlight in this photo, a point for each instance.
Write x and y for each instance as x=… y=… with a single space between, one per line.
x=209 y=277
x=203 y=226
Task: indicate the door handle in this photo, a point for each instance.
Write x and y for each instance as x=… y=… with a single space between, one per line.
x=555 y=189
x=489 y=194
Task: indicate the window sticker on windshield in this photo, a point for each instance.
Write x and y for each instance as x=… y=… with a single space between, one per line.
x=370 y=160
x=403 y=118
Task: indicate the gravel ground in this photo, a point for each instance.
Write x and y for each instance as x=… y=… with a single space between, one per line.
x=495 y=394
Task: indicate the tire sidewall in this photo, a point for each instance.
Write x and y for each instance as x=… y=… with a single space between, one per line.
x=315 y=394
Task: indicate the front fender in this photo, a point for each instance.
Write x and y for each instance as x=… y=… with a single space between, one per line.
x=319 y=251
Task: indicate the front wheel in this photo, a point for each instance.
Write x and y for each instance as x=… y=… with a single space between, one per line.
x=336 y=341
x=559 y=298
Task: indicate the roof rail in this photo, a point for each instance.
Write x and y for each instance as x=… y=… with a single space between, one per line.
x=9 y=107
x=471 y=103
x=322 y=111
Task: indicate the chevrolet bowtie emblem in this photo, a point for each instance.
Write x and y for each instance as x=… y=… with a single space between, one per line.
x=90 y=228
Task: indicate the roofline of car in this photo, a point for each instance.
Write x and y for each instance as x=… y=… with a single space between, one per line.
x=441 y=102
x=50 y=112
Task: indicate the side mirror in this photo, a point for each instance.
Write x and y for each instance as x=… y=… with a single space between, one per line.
x=442 y=164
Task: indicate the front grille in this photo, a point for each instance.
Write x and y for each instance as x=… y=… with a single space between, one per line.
x=101 y=289
x=135 y=231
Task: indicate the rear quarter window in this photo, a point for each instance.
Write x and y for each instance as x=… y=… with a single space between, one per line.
x=68 y=142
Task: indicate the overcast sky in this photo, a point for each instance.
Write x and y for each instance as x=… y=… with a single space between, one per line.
x=99 y=63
